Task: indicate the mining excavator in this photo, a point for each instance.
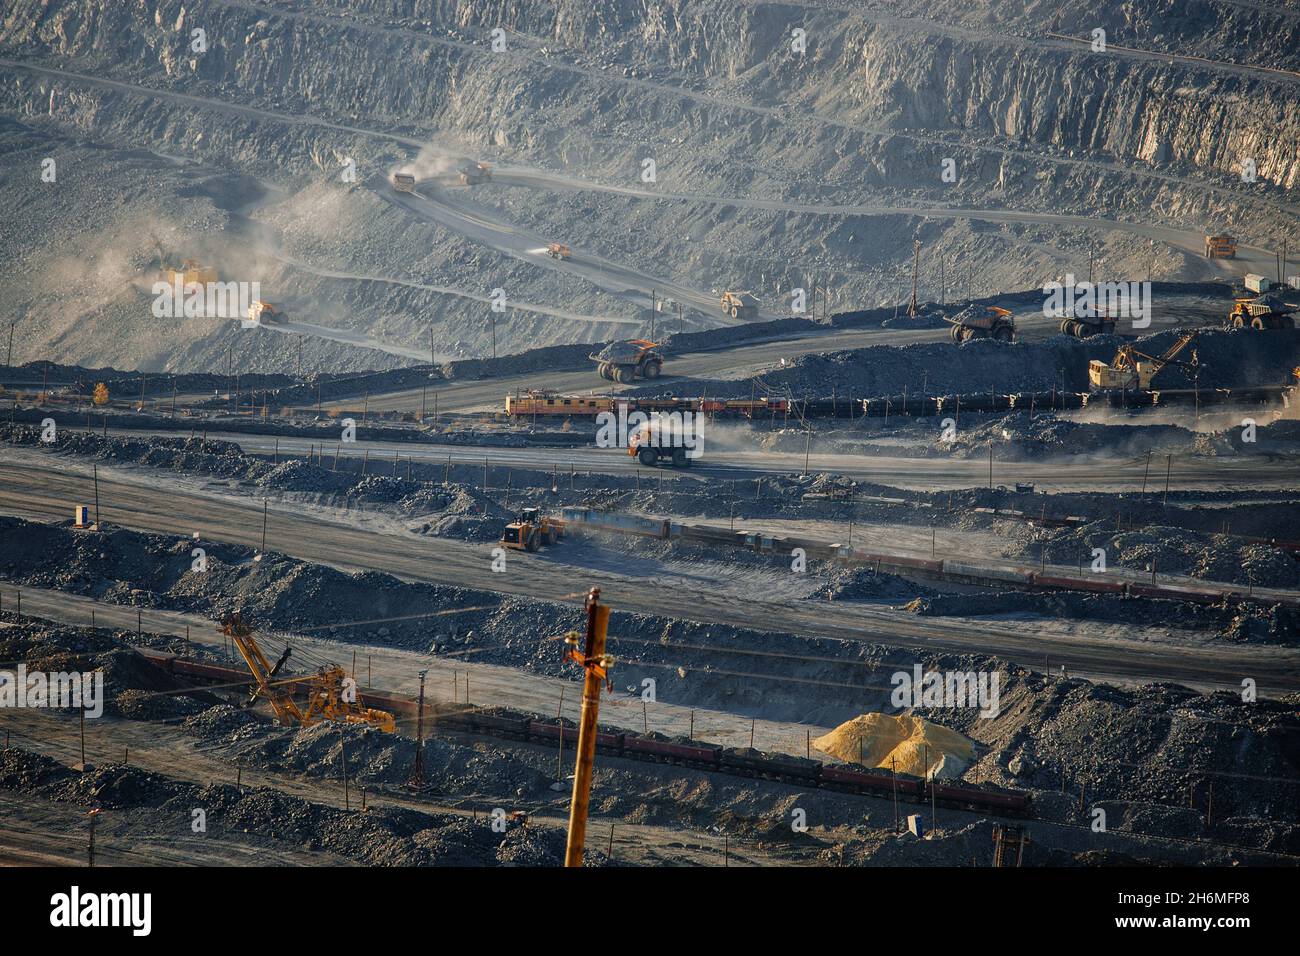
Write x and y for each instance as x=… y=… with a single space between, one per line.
x=325 y=692
x=1131 y=369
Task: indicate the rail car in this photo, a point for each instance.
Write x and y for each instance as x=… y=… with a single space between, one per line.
x=589 y=406
x=524 y=406
x=740 y=761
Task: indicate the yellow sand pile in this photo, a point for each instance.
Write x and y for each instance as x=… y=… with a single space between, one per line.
x=873 y=740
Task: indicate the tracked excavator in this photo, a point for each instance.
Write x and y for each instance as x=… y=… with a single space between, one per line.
x=327 y=696
x=1131 y=369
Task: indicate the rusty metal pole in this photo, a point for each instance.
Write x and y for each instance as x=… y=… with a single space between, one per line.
x=594 y=663
x=417 y=771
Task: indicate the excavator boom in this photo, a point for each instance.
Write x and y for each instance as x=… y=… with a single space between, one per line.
x=325 y=700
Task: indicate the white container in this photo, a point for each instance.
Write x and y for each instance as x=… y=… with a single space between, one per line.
x=1257 y=283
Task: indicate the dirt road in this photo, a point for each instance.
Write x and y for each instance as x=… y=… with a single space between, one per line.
x=46 y=493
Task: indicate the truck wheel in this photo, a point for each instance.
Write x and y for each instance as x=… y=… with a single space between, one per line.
x=531 y=544
x=1237 y=322
x=1257 y=323
x=652 y=369
x=1108 y=328
x=1004 y=333
x=647 y=456
x=679 y=458
x=955 y=334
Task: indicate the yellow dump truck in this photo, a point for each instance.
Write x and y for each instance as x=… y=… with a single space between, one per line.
x=982 y=322
x=739 y=305
x=1262 y=312
x=558 y=250
x=404 y=182
x=1220 y=247
x=260 y=312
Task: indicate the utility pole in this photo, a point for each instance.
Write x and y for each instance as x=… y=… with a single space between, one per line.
x=654 y=308
x=343 y=750
x=916 y=262
x=9 y=359
x=90 y=847
x=417 y=771
x=596 y=664
x=264 y=516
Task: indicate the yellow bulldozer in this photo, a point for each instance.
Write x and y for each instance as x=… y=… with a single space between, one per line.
x=1131 y=369
x=191 y=273
x=475 y=173
x=327 y=696
x=531 y=531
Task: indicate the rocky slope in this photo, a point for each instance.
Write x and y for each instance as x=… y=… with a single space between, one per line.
x=863 y=119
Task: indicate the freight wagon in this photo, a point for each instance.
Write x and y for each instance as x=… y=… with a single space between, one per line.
x=692 y=753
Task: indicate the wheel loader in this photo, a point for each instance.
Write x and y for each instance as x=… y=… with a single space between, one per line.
x=626 y=361
x=531 y=530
